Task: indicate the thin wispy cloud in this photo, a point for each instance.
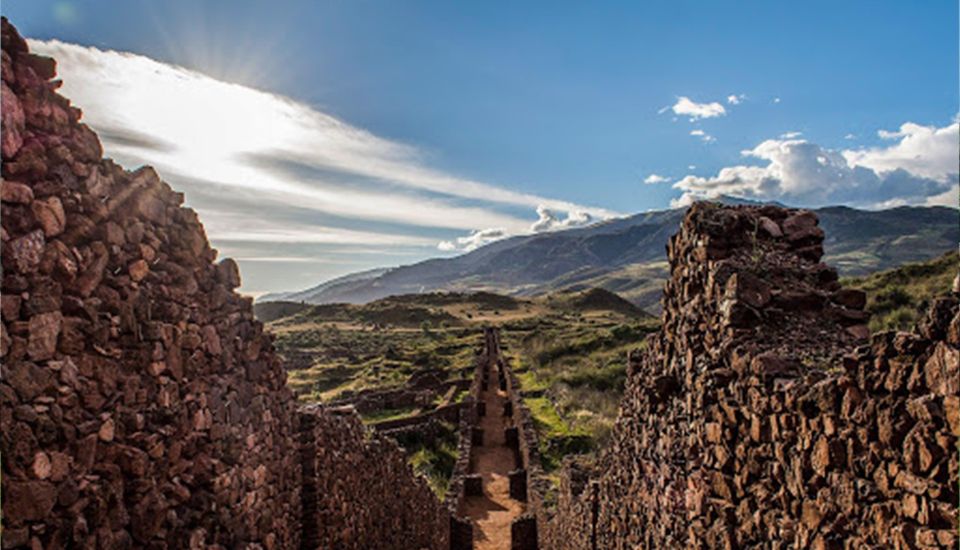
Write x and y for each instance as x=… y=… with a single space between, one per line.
x=654 y=179
x=705 y=137
x=204 y=134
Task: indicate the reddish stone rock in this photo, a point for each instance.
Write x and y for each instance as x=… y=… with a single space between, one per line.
x=770 y=227
x=850 y=298
x=49 y=212
x=5 y=341
x=138 y=270
x=44 y=67
x=942 y=370
x=42 y=466
x=23 y=254
x=28 y=380
x=92 y=273
x=10 y=307
x=752 y=290
x=107 y=430
x=15 y=192
x=228 y=273
x=44 y=331
x=13 y=123
x=799 y=222
x=25 y=501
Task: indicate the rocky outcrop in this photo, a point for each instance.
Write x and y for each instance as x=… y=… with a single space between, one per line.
x=142 y=404
x=761 y=415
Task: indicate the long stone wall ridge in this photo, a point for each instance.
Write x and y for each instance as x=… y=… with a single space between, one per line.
x=763 y=414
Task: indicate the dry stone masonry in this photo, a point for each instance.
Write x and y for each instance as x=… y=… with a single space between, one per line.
x=368 y=476
x=144 y=407
x=762 y=416
x=142 y=404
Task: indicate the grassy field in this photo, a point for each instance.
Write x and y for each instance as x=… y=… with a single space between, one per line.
x=351 y=359
x=572 y=369
x=568 y=350
x=896 y=298
x=434 y=459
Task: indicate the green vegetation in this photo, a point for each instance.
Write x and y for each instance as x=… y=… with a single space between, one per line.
x=572 y=370
x=434 y=459
x=568 y=350
x=896 y=298
x=352 y=358
x=387 y=414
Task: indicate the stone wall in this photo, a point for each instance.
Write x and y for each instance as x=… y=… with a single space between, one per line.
x=760 y=415
x=468 y=419
x=142 y=406
x=347 y=468
x=529 y=466
x=444 y=413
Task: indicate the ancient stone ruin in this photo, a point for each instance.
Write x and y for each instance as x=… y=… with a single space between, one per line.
x=143 y=406
x=762 y=416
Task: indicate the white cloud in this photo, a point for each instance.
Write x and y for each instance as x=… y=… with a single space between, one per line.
x=850 y=136
x=654 y=179
x=914 y=170
x=950 y=197
x=474 y=240
x=687 y=107
x=926 y=151
x=549 y=221
x=707 y=138
x=207 y=126
x=790 y=135
x=273 y=157
x=776 y=100
x=736 y=99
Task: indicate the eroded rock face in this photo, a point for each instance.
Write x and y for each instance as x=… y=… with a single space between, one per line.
x=142 y=405
x=760 y=415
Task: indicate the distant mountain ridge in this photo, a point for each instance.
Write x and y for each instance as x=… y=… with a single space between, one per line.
x=627 y=256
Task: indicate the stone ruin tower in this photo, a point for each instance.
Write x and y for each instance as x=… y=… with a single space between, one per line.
x=764 y=415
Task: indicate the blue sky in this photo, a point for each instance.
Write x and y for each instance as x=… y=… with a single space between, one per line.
x=569 y=106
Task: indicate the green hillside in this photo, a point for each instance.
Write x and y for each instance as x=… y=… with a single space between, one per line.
x=897 y=297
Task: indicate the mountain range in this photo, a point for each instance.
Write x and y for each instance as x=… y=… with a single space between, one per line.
x=627 y=256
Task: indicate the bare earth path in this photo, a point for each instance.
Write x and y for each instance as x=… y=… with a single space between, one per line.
x=493 y=512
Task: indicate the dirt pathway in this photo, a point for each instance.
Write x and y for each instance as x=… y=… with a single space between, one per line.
x=493 y=512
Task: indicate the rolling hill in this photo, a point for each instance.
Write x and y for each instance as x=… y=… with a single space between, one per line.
x=627 y=256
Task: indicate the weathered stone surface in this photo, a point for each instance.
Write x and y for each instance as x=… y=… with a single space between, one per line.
x=13 y=124
x=35 y=501
x=228 y=273
x=142 y=404
x=24 y=252
x=138 y=270
x=15 y=192
x=44 y=331
x=50 y=215
x=784 y=430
